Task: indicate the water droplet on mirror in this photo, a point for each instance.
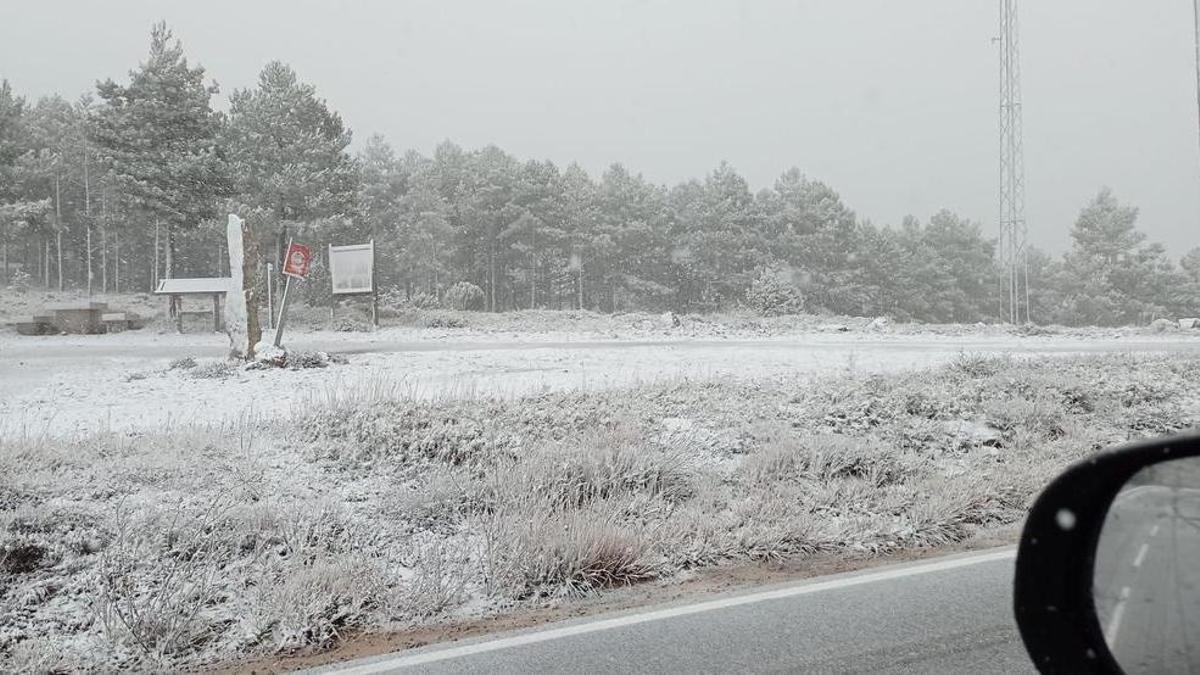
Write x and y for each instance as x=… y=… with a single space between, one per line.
x=1065 y=519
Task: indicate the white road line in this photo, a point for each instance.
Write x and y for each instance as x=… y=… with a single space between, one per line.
x=842 y=581
x=1114 y=624
x=1137 y=562
x=1153 y=530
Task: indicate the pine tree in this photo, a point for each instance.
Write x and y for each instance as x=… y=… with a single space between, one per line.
x=288 y=154
x=161 y=137
x=20 y=212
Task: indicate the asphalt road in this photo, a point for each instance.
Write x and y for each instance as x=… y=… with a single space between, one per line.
x=1147 y=582
x=947 y=615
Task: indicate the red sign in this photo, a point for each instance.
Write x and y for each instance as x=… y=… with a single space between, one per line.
x=295 y=263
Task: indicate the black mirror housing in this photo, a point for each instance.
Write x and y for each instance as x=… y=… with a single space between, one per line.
x=1052 y=596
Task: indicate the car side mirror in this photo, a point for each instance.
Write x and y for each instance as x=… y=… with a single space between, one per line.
x=1108 y=567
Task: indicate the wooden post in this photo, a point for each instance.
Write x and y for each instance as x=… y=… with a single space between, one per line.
x=216 y=312
x=374 y=290
x=283 y=307
x=174 y=300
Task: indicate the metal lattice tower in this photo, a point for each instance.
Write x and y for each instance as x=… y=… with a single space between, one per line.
x=1013 y=253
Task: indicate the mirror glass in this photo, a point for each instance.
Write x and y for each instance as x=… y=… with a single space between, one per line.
x=1146 y=583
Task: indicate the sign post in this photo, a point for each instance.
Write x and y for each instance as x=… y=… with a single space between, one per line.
x=295 y=265
x=270 y=295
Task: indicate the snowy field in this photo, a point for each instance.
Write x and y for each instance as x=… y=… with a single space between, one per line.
x=232 y=549
x=64 y=385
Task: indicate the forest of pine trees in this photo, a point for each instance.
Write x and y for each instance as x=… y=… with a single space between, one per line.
x=131 y=183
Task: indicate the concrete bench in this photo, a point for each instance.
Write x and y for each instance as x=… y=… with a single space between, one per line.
x=78 y=319
x=116 y=322
x=36 y=325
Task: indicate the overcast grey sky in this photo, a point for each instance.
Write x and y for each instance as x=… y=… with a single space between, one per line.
x=892 y=103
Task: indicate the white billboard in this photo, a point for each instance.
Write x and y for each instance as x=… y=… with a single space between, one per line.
x=352 y=268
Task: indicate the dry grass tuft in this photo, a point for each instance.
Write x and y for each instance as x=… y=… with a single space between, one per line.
x=534 y=551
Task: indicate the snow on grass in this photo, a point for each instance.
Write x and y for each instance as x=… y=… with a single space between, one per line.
x=160 y=551
x=62 y=385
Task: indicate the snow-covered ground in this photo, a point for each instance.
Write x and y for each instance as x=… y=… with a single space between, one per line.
x=69 y=384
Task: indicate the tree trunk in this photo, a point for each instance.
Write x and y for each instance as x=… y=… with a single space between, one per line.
x=492 y=278
x=103 y=259
x=58 y=265
x=46 y=263
x=58 y=227
x=169 y=271
x=89 y=260
x=104 y=240
x=154 y=276
x=87 y=212
x=116 y=262
x=6 y=263
x=170 y=252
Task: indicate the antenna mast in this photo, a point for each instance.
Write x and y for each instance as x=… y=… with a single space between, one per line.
x=1013 y=253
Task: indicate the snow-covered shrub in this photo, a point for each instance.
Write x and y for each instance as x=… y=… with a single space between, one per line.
x=20 y=281
x=980 y=366
x=301 y=360
x=570 y=475
x=21 y=557
x=217 y=370
x=824 y=458
x=346 y=324
x=533 y=551
x=183 y=363
x=443 y=321
x=423 y=300
x=156 y=576
x=773 y=294
x=439 y=580
x=393 y=298
x=1029 y=329
x=465 y=296
x=396 y=299
x=404 y=432
x=311 y=601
